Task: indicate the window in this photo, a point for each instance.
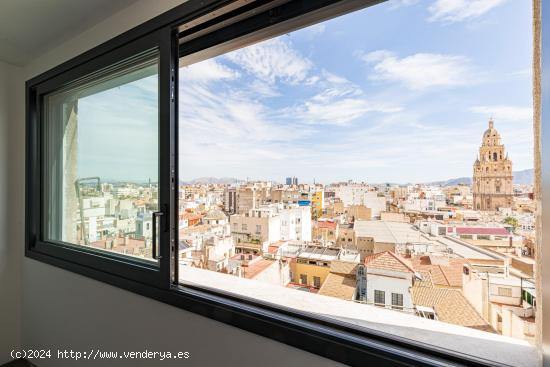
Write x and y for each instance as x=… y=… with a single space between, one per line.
x=100 y=195
x=224 y=112
x=108 y=131
x=505 y=291
x=379 y=297
x=397 y=300
x=426 y=312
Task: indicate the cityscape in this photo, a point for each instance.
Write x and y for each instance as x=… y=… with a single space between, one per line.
x=336 y=170
x=455 y=252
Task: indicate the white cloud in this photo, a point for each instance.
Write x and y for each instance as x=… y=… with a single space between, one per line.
x=339 y=111
x=314 y=30
x=394 y=4
x=420 y=71
x=526 y=72
x=272 y=60
x=505 y=113
x=207 y=71
x=460 y=10
x=337 y=102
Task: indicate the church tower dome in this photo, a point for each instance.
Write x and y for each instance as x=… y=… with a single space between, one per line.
x=492 y=178
x=491 y=136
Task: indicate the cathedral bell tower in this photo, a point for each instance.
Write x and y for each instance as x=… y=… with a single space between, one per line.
x=492 y=181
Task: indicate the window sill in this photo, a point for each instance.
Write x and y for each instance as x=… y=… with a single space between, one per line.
x=492 y=347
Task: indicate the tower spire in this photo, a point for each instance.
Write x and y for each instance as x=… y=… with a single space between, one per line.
x=491 y=123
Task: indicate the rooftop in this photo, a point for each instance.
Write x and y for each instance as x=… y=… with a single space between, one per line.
x=495 y=231
x=389 y=232
x=319 y=253
x=449 y=305
x=446 y=275
x=339 y=286
x=326 y=224
x=254 y=268
x=388 y=261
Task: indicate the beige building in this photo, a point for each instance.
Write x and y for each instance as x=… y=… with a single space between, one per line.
x=492 y=181
x=251 y=197
x=284 y=195
x=255 y=229
x=506 y=302
x=372 y=237
x=357 y=212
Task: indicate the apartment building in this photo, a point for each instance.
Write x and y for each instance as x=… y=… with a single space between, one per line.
x=387 y=280
x=378 y=236
x=317 y=204
x=311 y=265
x=506 y=302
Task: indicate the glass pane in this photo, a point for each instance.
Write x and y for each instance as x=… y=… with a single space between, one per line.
x=376 y=169
x=101 y=159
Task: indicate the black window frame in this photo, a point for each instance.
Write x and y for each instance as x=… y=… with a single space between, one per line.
x=395 y=297
x=323 y=336
x=154 y=273
x=377 y=294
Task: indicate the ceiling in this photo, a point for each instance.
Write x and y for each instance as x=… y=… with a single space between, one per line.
x=30 y=27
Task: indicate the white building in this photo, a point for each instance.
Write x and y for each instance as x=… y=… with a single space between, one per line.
x=375 y=202
x=295 y=223
x=144 y=225
x=387 y=279
x=271 y=223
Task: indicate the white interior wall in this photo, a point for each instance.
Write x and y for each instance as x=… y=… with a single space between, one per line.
x=60 y=309
x=10 y=253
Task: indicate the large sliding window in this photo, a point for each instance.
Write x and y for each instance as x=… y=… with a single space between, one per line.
x=281 y=166
x=316 y=151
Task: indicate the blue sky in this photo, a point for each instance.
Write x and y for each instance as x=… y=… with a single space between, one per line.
x=398 y=92
x=118 y=132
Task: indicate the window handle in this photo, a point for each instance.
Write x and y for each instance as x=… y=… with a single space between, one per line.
x=154 y=245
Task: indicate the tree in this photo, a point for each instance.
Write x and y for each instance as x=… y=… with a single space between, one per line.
x=511 y=221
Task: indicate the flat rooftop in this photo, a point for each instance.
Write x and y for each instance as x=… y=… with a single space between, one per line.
x=389 y=232
x=319 y=253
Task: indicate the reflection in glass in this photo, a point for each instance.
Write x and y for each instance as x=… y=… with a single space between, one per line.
x=101 y=159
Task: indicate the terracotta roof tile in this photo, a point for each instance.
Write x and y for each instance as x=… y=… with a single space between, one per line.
x=389 y=261
x=450 y=306
x=339 y=286
x=343 y=267
x=442 y=275
x=326 y=224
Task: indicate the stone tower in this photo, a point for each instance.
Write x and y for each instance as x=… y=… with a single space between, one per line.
x=492 y=183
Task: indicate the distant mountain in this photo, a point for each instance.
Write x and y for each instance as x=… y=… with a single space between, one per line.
x=212 y=180
x=524 y=177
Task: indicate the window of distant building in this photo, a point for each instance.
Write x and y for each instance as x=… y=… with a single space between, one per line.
x=505 y=291
x=379 y=297
x=397 y=300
